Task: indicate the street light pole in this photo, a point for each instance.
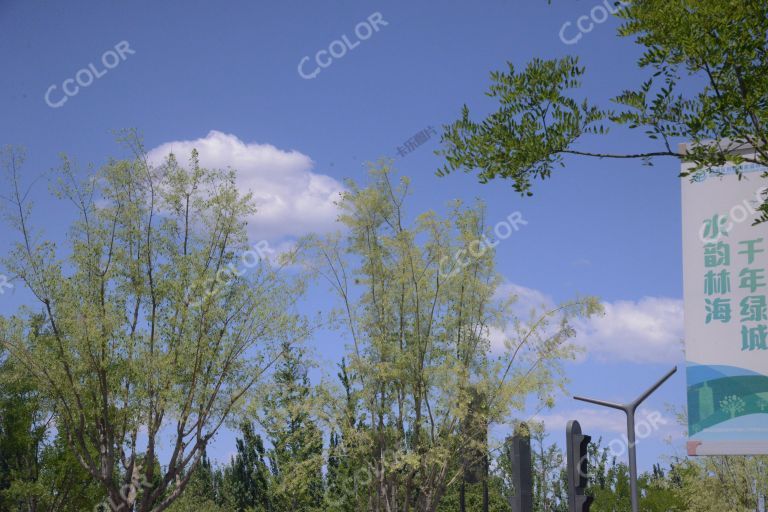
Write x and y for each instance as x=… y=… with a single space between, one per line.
x=630 y=409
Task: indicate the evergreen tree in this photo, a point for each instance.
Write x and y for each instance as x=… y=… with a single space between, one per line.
x=37 y=471
x=343 y=485
x=203 y=493
x=296 y=457
x=23 y=428
x=245 y=482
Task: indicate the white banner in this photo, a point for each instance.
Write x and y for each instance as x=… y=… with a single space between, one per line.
x=725 y=276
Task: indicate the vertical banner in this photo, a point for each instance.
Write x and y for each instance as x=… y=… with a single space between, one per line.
x=725 y=286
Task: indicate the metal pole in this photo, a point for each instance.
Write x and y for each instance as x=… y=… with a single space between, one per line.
x=629 y=409
x=632 y=460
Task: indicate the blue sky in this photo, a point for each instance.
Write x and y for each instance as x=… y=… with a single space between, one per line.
x=604 y=228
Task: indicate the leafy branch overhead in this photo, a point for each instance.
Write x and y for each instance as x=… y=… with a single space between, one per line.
x=707 y=85
x=535 y=125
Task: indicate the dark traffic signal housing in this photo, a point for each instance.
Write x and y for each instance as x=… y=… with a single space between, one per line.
x=577 y=445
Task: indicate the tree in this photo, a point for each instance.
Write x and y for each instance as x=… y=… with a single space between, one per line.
x=424 y=386
x=733 y=405
x=719 y=44
x=547 y=470
x=37 y=471
x=246 y=481
x=473 y=497
x=24 y=425
x=550 y=488
x=723 y=483
x=344 y=456
x=296 y=456
x=608 y=480
x=609 y=485
x=150 y=328
x=661 y=491
x=203 y=492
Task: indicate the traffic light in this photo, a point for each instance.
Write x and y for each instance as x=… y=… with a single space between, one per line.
x=578 y=467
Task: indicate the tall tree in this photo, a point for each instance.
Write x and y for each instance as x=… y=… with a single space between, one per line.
x=151 y=329
x=707 y=83
x=419 y=324
x=24 y=426
x=37 y=470
x=245 y=485
x=723 y=483
x=203 y=492
x=550 y=490
x=296 y=456
x=342 y=482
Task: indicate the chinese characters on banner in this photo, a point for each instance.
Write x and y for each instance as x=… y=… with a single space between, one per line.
x=717 y=283
x=725 y=257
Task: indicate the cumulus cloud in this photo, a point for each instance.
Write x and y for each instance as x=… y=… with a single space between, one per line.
x=527 y=300
x=648 y=330
x=292 y=200
x=590 y=419
x=611 y=421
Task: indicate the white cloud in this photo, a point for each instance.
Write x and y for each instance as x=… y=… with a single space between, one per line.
x=527 y=300
x=291 y=199
x=649 y=423
x=649 y=330
x=590 y=419
x=497 y=338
